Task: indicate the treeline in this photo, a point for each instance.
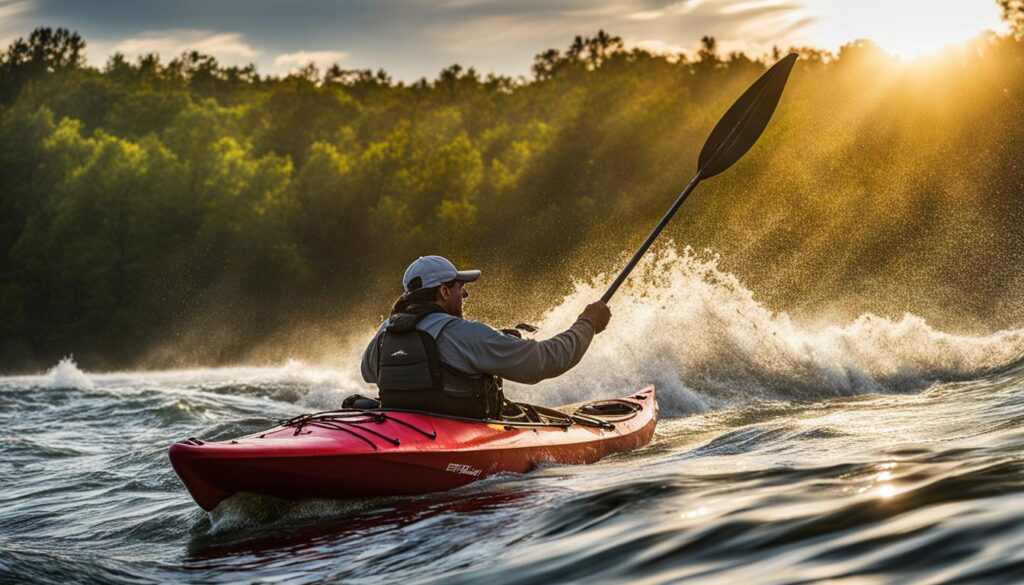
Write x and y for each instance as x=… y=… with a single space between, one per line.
x=154 y=211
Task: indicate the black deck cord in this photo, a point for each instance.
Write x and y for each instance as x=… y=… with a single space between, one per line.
x=582 y=419
x=351 y=432
x=522 y=414
x=567 y=421
x=431 y=436
x=374 y=417
x=531 y=415
x=328 y=423
x=590 y=421
x=326 y=418
x=302 y=419
x=530 y=410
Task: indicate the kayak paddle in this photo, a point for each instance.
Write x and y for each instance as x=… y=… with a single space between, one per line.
x=732 y=137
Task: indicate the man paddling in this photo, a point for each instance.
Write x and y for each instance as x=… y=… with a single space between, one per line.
x=425 y=356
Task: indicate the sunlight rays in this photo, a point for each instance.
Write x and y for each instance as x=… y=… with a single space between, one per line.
x=907 y=28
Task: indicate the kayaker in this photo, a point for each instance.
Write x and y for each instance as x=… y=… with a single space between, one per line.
x=426 y=356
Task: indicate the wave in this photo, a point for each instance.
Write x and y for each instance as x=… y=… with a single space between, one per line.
x=696 y=332
x=681 y=323
x=66 y=374
x=292 y=381
x=922 y=524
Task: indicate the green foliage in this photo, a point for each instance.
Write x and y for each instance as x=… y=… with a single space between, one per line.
x=150 y=198
x=45 y=51
x=299 y=113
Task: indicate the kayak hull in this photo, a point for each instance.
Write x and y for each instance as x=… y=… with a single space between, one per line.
x=392 y=453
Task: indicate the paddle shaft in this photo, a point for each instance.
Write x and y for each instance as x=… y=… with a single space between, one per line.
x=731 y=138
x=650 y=238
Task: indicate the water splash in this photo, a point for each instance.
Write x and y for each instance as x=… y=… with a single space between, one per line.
x=681 y=323
x=66 y=374
x=244 y=511
x=694 y=330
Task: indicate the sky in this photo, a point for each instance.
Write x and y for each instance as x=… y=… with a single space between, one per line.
x=417 y=38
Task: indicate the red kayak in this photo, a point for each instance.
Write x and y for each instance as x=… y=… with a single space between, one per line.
x=380 y=452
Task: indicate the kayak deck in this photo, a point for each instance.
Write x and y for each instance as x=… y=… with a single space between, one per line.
x=382 y=452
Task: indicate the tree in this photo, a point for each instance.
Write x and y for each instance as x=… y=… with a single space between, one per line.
x=547 y=64
x=601 y=47
x=297 y=113
x=145 y=199
x=708 y=53
x=1013 y=13
x=46 y=51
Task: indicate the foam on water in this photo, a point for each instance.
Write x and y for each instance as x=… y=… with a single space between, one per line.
x=249 y=510
x=698 y=334
x=681 y=323
x=66 y=374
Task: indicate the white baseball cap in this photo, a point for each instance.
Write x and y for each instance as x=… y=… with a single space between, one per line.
x=434 y=271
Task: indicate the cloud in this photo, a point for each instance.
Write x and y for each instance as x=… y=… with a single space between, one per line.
x=660 y=47
x=664 y=26
x=754 y=6
x=416 y=37
x=13 y=9
x=321 y=59
x=12 y=21
x=753 y=26
x=647 y=15
x=225 y=46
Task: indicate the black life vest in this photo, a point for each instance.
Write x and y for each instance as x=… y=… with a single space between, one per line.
x=411 y=375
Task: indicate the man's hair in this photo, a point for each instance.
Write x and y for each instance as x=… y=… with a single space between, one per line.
x=418 y=301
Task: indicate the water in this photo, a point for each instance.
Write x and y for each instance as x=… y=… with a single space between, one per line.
x=873 y=451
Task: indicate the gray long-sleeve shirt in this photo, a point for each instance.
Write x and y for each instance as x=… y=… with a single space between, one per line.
x=475 y=348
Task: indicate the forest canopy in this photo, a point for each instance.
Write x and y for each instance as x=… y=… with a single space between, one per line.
x=157 y=213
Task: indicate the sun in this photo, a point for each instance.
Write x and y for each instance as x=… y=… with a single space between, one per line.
x=907 y=28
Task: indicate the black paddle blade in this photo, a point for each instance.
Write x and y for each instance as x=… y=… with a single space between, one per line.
x=743 y=124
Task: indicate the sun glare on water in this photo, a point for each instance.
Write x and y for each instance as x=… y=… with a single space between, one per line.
x=907 y=28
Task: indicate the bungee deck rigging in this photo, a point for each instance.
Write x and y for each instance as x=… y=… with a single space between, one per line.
x=361 y=452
